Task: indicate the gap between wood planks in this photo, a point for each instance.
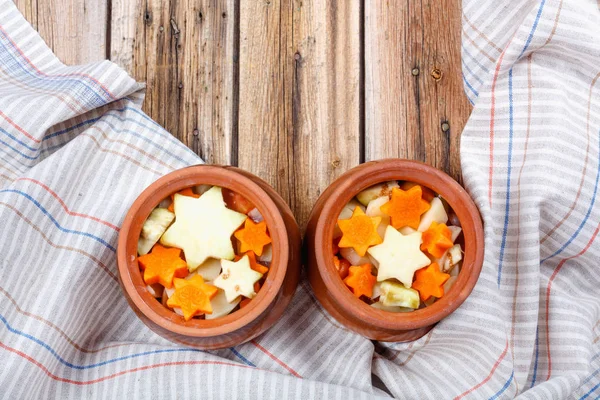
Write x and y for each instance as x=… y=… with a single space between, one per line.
x=294 y=91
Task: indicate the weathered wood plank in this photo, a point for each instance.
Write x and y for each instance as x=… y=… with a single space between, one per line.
x=327 y=96
x=266 y=137
x=407 y=48
x=185 y=52
x=73 y=29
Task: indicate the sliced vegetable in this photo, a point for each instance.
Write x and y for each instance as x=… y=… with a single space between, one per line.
x=342 y=266
x=185 y=192
x=437 y=239
x=449 y=283
x=203 y=228
x=155 y=225
x=162 y=265
x=383 y=189
x=396 y=294
x=156 y=290
x=436 y=213
x=429 y=281
x=253 y=237
x=220 y=306
x=360 y=280
x=399 y=256
x=405 y=207
x=209 y=269
x=192 y=296
x=428 y=194
x=267 y=255
x=237 y=278
x=359 y=232
x=379 y=305
x=255 y=215
x=261 y=269
x=352 y=256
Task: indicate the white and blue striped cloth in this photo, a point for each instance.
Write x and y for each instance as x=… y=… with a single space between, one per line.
x=76 y=150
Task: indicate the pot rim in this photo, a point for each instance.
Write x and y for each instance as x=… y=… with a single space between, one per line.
x=131 y=277
x=369 y=174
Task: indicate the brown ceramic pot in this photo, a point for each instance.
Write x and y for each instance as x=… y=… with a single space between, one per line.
x=329 y=288
x=272 y=299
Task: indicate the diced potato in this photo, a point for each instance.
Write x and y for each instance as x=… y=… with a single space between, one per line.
x=267 y=255
x=382 y=189
x=456 y=269
x=209 y=269
x=454 y=256
x=449 y=283
x=169 y=292
x=352 y=256
x=406 y=230
x=155 y=225
x=220 y=306
x=376 y=291
x=436 y=213
x=156 y=290
x=201 y=189
x=455 y=231
x=255 y=215
x=373 y=261
x=379 y=305
x=396 y=294
x=430 y=301
x=373 y=209
x=178 y=311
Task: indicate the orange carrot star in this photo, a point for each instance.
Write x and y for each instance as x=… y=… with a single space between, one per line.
x=261 y=269
x=162 y=265
x=405 y=207
x=192 y=296
x=429 y=281
x=437 y=239
x=361 y=280
x=185 y=192
x=359 y=231
x=253 y=237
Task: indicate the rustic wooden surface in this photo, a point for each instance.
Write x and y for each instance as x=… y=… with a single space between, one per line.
x=295 y=91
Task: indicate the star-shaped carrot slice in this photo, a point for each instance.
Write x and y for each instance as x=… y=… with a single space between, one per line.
x=185 y=192
x=437 y=239
x=429 y=281
x=399 y=256
x=261 y=269
x=359 y=231
x=253 y=237
x=162 y=265
x=203 y=228
x=237 y=278
x=192 y=296
x=405 y=207
x=361 y=280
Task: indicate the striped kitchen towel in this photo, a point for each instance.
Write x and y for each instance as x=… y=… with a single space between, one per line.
x=76 y=150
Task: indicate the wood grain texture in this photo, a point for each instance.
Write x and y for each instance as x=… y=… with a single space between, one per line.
x=326 y=100
x=75 y=30
x=405 y=112
x=266 y=136
x=186 y=53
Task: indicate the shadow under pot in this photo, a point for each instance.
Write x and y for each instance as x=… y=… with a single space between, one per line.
x=392 y=247
x=241 y=267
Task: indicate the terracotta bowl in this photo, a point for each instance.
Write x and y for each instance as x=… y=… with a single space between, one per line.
x=272 y=299
x=329 y=288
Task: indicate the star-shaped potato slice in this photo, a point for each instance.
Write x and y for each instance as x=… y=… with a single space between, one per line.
x=430 y=281
x=192 y=296
x=162 y=265
x=399 y=256
x=405 y=207
x=237 y=278
x=203 y=227
x=359 y=231
x=253 y=237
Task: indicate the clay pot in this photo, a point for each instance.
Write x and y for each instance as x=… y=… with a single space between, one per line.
x=329 y=288
x=272 y=299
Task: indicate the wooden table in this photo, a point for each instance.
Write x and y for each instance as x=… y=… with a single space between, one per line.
x=295 y=91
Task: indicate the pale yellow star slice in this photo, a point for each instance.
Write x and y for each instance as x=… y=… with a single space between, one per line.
x=237 y=278
x=203 y=227
x=399 y=256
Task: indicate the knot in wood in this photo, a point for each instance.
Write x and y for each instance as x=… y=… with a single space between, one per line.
x=436 y=74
